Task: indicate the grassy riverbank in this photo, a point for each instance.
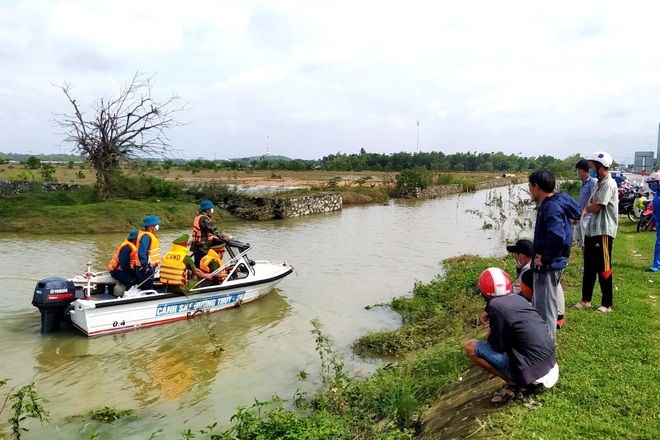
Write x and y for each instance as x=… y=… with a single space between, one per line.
x=30 y=213
x=609 y=386
x=174 y=200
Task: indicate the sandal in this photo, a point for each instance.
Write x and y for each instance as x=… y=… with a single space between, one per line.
x=582 y=305
x=504 y=395
x=603 y=309
x=530 y=389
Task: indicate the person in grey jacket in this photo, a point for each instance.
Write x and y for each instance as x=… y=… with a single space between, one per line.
x=518 y=348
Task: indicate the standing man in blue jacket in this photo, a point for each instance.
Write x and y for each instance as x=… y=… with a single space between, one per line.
x=553 y=238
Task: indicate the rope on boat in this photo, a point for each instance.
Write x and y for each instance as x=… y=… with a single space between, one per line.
x=18 y=277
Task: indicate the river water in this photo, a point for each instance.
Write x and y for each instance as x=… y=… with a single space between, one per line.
x=171 y=375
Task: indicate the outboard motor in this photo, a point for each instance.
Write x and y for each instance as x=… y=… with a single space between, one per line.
x=51 y=297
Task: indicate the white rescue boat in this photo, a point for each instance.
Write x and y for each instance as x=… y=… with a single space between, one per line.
x=87 y=302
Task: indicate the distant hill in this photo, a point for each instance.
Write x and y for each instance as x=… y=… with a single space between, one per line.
x=20 y=157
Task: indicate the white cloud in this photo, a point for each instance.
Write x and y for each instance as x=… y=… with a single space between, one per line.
x=324 y=76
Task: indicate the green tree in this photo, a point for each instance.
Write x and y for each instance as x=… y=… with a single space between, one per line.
x=33 y=162
x=48 y=173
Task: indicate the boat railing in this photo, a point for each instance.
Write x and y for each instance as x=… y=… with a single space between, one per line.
x=233 y=261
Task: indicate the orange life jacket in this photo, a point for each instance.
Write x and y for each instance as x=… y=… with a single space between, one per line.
x=197 y=231
x=173 y=270
x=114 y=262
x=154 y=249
x=207 y=259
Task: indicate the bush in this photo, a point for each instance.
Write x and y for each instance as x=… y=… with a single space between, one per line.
x=408 y=181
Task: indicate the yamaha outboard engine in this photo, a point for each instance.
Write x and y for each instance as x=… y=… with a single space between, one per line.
x=51 y=297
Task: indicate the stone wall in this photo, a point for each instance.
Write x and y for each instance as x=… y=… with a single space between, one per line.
x=443 y=190
x=307 y=205
x=10 y=187
x=268 y=208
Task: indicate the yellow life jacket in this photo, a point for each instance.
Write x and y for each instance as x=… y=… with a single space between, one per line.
x=197 y=230
x=207 y=259
x=154 y=249
x=173 y=270
x=114 y=262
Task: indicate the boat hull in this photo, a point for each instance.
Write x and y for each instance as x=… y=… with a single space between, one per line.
x=101 y=317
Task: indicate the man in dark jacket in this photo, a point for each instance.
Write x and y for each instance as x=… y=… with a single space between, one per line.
x=518 y=348
x=553 y=238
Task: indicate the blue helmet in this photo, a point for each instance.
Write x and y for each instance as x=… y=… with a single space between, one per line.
x=133 y=234
x=150 y=220
x=206 y=204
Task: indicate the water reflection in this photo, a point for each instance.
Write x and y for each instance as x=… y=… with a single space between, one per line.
x=343 y=262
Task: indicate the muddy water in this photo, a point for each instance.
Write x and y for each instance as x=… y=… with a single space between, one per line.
x=171 y=375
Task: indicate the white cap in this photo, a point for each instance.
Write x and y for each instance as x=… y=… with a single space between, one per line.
x=653 y=177
x=604 y=158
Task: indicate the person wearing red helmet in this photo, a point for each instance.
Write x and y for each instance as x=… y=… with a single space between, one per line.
x=518 y=348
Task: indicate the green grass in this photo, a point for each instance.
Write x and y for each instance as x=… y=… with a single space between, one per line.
x=74 y=213
x=609 y=386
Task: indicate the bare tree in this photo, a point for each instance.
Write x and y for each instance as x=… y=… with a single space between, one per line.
x=119 y=129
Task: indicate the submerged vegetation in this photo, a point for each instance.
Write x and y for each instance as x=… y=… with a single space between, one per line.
x=25 y=404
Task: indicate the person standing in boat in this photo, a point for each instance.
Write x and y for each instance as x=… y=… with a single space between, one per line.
x=178 y=266
x=148 y=252
x=212 y=261
x=205 y=232
x=122 y=264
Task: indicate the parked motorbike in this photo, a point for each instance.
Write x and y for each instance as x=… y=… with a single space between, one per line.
x=646 y=220
x=633 y=205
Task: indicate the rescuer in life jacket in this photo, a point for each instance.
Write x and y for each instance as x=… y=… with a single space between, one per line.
x=122 y=264
x=212 y=261
x=148 y=250
x=178 y=267
x=205 y=233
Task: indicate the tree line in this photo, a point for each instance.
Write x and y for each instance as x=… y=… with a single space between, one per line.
x=131 y=125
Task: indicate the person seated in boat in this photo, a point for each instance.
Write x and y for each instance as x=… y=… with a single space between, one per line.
x=148 y=252
x=122 y=264
x=178 y=267
x=205 y=233
x=212 y=261
x=518 y=348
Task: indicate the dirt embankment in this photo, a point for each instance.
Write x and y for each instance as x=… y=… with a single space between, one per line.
x=458 y=411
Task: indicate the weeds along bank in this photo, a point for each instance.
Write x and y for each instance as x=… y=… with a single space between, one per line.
x=608 y=386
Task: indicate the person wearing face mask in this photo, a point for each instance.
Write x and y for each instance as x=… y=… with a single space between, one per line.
x=601 y=232
x=148 y=252
x=588 y=178
x=204 y=232
x=653 y=182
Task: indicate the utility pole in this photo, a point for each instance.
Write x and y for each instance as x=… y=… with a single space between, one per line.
x=418 y=137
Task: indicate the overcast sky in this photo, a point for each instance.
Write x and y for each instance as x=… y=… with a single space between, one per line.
x=311 y=78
